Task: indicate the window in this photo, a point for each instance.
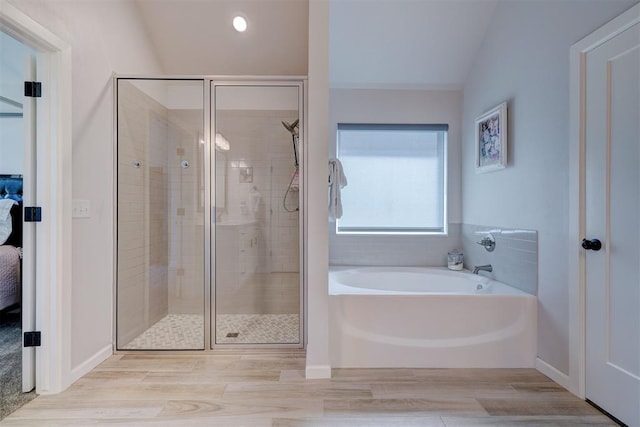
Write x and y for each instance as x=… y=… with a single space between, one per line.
x=396 y=178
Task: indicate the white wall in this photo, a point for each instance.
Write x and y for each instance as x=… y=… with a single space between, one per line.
x=105 y=38
x=525 y=59
x=315 y=174
x=400 y=106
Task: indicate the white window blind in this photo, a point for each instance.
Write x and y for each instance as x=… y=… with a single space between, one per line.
x=396 y=178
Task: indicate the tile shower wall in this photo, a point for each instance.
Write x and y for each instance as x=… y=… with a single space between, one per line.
x=160 y=212
x=186 y=212
x=393 y=250
x=514 y=260
x=142 y=258
x=252 y=221
x=260 y=142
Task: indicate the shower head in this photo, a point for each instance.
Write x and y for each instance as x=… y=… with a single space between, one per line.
x=291 y=127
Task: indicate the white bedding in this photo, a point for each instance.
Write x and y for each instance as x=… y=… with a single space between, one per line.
x=5 y=219
x=9 y=276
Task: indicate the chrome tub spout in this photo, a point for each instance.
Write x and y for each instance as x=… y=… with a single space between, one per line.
x=487 y=267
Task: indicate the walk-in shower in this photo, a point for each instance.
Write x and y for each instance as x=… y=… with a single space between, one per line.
x=208 y=255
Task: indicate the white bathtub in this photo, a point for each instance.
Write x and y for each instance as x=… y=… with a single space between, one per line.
x=428 y=318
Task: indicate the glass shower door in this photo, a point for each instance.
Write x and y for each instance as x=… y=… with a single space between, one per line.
x=257 y=298
x=160 y=215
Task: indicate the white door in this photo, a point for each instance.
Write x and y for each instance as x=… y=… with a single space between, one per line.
x=28 y=304
x=613 y=217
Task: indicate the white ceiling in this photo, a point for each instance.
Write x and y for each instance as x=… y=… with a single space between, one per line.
x=373 y=43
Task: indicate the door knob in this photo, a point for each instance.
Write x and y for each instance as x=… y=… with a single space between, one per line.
x=591 y=245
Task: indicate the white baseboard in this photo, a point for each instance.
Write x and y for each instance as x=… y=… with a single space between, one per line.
x=86 y=366
x=553 y=373
x=317 y=372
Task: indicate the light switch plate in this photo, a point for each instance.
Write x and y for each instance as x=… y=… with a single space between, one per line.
x=81 y=208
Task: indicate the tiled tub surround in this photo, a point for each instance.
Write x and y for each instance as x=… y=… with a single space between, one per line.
x=514 y=260
x=390 y=250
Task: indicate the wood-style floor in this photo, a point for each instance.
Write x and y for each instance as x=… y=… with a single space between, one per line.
x=270 y=390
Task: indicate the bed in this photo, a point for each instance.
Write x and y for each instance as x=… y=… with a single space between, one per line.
x=10 y=239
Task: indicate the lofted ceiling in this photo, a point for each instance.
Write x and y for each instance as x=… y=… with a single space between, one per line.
x=405 y=43
x=373 y=43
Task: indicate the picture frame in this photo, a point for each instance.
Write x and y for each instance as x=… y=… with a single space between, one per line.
x=491 y=139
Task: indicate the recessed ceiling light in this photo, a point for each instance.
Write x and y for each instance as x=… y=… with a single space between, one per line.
x=240 y=24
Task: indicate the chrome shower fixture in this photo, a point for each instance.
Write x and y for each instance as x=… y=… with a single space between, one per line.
x=291 y=127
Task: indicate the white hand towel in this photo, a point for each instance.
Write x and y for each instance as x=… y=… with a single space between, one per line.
x=5 y=219
x=337 y=181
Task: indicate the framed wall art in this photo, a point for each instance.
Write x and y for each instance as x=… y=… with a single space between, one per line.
x=491 y=139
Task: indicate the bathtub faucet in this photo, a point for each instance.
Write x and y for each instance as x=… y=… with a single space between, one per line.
x=483 y=268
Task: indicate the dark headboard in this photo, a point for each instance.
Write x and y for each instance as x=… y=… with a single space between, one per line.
x=11 y=188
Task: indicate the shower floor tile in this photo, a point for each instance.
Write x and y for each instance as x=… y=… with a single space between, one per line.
x=172 y=332
x=186 y=331
x=258 y=328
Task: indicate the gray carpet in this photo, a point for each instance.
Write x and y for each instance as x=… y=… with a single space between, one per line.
x=11 y=396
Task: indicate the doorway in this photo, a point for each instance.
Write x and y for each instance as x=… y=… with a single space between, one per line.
x=606 y=316
x=17 y=248
x=209 y=183
x=52 y=278
x=612 y=231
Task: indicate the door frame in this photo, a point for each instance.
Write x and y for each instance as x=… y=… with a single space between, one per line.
x=210 y=82
x=53 y=245
x=577 y=191
x=301 y=82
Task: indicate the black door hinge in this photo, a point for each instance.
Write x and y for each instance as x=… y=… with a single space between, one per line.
x=32 y=214
x=32 y=339
x=33 y=89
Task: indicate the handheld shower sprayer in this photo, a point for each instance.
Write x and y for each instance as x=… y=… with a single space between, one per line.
x=293 y=129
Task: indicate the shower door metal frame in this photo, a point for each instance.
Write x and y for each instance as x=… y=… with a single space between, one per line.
x=209 y=83
x=207 y=219
x=300 y=83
